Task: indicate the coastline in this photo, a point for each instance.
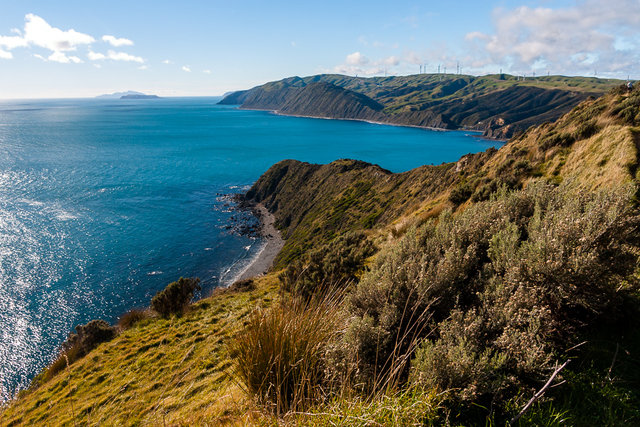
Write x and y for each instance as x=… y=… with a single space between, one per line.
x=374 y=122
x=273 y=244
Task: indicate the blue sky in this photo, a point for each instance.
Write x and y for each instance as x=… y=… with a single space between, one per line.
x=86 y=48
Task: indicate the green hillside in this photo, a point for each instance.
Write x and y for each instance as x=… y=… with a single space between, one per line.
x=499 y=105
x=445 y=295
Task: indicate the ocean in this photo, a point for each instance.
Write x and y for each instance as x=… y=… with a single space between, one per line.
x=105 y=202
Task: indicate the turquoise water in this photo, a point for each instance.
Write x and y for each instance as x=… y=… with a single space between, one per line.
x=102 y=203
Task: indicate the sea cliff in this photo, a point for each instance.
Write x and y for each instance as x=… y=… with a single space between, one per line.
x=500 y=105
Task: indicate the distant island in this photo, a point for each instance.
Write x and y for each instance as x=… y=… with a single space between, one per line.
x=130 y=94
x=140 y=96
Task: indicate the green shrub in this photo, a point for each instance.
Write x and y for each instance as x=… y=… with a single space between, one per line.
x=87 y=337
x=553 y=139
x=131 y=318
x=78 y=344
x=521 y=166
x=175 y=298
x=329 y=267
x=587 y=129
x=492 y=294
x=460 y=194
x=280 y=353
x=244 y=285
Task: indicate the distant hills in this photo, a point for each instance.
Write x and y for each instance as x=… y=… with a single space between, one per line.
x=499 y=105
x=130 y=94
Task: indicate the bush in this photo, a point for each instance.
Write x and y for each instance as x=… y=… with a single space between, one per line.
x=87 y=337
x=329 y=267
x=587 y=129
x=280 y=353
x=78 y=344
x=492 y=294
x=131 y=318
x=175 y=298
x=244 y=285
x=460 y=194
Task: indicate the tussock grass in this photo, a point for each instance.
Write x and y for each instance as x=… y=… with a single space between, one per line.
x=279 y=355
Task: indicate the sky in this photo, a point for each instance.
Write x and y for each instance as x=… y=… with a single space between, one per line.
x=200 y=48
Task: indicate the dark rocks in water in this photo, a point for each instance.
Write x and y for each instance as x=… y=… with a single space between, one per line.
x=246 y=220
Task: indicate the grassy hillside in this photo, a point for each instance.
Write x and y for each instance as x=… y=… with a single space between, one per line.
x=488 y=273
x=500 y=105
x=172 y=371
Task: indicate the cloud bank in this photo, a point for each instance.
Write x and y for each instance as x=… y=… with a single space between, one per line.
x=592 y=35
x=38 y=33
x=588 y=37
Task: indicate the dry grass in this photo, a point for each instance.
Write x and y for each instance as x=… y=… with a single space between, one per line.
x=280 y=354
x=160 y=372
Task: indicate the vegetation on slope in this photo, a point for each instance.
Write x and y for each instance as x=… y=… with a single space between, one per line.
x=489 y=272
x=499 y=105
x=161 y=371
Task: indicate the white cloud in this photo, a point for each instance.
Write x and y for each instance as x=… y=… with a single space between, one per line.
x=166 y=61
x=39 y=33
x=207 y=71
x=123 y=56
x=114 y=56
x=117 y=42
x=12 y=42
x=391 y=61
x=186 y=68
x=143 y=67
x=578 y=39
x=358 y=64
x=64 y=59
x=93 y=56
x=356 y=58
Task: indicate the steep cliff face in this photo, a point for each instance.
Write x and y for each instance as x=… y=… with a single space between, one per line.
x=498 y=106
x=317 y=99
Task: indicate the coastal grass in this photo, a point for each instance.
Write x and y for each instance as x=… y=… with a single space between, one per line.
x=173 y=371
x=280 y=354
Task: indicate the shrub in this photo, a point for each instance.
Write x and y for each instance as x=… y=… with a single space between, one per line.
x=280 y=353
x=329 y=267
x=495 y=293
x=78 y=344
x=460 y=194
x=131 y=318
x=587 y=129
x=553 y=139
x=175 y=297
x=87 y=337
x=244 y=285
x=521 y=166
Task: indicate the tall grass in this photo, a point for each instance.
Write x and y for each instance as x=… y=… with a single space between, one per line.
x=280 y=353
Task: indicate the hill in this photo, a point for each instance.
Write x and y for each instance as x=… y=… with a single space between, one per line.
x=498 y=105
x=455 y=291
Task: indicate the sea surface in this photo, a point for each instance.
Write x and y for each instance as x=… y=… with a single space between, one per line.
x=104 y=202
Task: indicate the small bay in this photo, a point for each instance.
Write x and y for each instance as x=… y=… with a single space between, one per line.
x=104 y=202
